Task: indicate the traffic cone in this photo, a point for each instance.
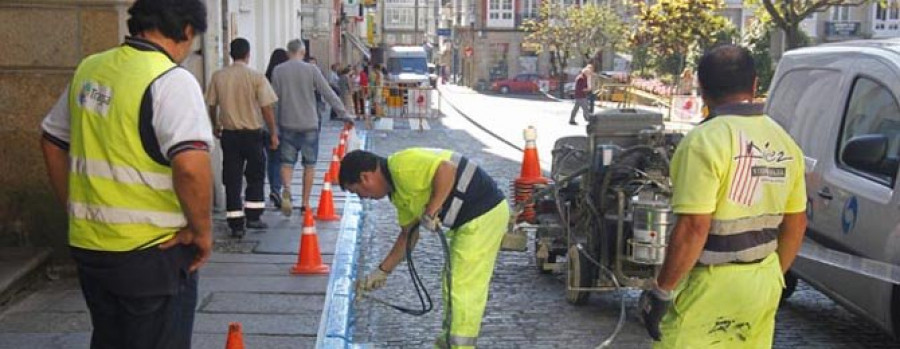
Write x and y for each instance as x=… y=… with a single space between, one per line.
x=342 y=147
x=335 y=167
x=235 y=338
x=326 y=201
x=309 y=260
x=531 y=167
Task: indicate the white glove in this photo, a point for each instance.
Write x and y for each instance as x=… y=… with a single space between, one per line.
x=373 y=281
x=429 y=222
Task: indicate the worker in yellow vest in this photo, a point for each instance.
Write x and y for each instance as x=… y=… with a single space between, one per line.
x=127 y=151
x=740 y=196
x=437 y=188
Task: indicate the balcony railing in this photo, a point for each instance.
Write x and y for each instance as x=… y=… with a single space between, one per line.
x=842 y=29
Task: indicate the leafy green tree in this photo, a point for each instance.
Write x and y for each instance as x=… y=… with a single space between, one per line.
x=554 y=33
x=787 y=15
x=565 y=31
x=675 y=28
x=599 y=28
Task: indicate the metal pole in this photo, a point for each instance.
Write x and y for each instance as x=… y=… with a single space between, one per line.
x=454 y=34
x=416 y=25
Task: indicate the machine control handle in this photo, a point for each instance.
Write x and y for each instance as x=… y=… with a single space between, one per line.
x=825 y=193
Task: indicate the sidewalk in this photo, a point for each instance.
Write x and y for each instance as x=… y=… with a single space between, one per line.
x=247 y=281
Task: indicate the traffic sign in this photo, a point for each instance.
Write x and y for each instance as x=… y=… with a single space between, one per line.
x=443 y=32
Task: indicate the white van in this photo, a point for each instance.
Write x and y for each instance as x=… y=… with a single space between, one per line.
x=407 y=66
x=841 y=103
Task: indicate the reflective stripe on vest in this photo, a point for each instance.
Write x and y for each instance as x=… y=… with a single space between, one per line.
x=122 y=174
x=741 y=240
x=464 y=178
x=120 y=199
x=462 y=341
x=111 y=215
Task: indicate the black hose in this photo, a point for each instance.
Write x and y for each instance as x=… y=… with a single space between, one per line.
x=422 y=293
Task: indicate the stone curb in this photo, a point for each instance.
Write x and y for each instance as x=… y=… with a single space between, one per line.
x=337 y=313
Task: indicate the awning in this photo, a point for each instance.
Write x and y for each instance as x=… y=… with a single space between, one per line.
x=356 y=42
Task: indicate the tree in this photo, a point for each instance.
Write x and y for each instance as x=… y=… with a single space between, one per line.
x=554 y=32
x=566 y=31
x=673 y=28
x=599 y=27
x=787 y=15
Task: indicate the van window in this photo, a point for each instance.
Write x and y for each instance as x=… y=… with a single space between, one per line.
x=802 y=101
x=415 y=65
x=873 y=110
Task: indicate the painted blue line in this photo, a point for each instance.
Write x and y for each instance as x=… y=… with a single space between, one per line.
x=335 y=324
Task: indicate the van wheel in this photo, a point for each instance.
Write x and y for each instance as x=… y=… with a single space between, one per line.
x=504 y=89
x=790 y=285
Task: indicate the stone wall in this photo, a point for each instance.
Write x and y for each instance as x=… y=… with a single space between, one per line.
x=41 y=43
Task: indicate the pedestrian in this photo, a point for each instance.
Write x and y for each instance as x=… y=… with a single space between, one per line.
x=334 y=80
x=240 y=101
x=364 y=91
x=344 y=87
x=377 y=85
x=127 y=151
x=740 y=200
x=273 y=157
x=296 y=82
x=581 y=91
x=437 y=188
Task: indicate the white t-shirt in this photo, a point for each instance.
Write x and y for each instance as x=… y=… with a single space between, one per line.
x=179 y=112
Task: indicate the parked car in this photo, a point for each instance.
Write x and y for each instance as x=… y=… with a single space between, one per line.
x=841 y=103
x=522 y=83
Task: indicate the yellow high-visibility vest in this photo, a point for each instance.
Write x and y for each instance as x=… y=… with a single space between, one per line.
x=120 y=199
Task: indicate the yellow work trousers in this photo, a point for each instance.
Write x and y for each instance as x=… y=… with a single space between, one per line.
x=473 y=251
x=725 y=306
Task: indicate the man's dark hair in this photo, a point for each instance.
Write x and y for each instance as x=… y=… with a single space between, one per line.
x=355 y=163
x=240 y=48
x=726 y=70
x=170 y=17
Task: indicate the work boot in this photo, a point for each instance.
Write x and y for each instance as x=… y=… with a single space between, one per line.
x=276 y=200
x=257 y=224
x=572 y=122
x=286 y=207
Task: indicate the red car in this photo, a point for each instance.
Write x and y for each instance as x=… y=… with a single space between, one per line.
x=525 y=82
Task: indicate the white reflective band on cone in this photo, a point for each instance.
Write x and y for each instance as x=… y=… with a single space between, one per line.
x=860 y=265
x=121 y=174
x=255 y=204
x=327 y=186
x=113 y=215
x=309 y=231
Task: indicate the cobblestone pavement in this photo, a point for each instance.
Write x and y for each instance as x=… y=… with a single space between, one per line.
x=528 y=310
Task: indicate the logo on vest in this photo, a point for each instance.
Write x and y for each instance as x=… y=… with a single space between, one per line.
x=95 y=97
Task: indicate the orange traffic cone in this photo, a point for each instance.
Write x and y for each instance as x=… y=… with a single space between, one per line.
x=326 y=202
x=335 y=167
x=235 y=338
x=309 y=260
x=531 y=167
x=342 y=147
